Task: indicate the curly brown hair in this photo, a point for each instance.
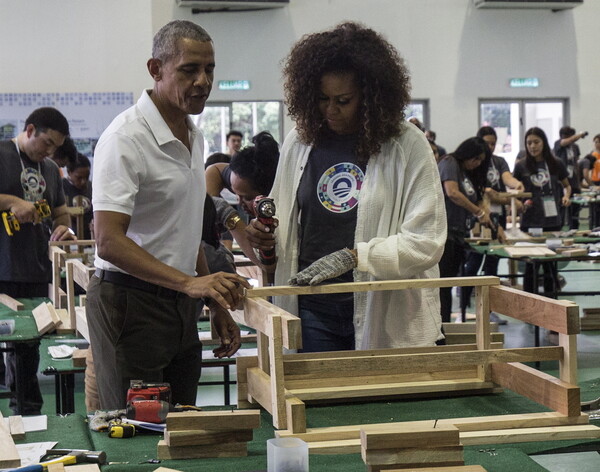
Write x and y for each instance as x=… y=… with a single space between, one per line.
x=381 y=75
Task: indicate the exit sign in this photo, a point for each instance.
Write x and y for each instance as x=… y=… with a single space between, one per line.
x=234 y=85
x=530 y=82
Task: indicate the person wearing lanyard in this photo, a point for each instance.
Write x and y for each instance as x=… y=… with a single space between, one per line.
x=27 y=176
x=498 y=179
x=547 y=179
x=463 y=177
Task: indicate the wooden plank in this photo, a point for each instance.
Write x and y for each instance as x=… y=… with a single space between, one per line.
x=294 y=383
x=213 y=420
x=199 y=452
x=16 y=426
x=278 y=409
x=81 y=273
x=263 y=292
x=461 y=468
x=259 y=388
x=256 y=313
x=242 y=365
x=83 y=468
x=410 y=436
x=43 y=318
x=67 y=244
x=472 y=386
x=568 y=364
x=529 y=251
x=478 y=423
x=555 y=315
x=11 y=303
x=552 y=433
x=56 y=254
x=462 y=328
x=474 y=438
x=198 y=437
x=405 y=363
x=58 y=467
x=79 y=357
x=471 y=338
x=55 y=317
x=482 y=323
x=9 y=456
x=64 y=326
x=296 y=414
x=539 y=387
x=82 y=324
x=383 y=352
x=71 y=293
x=415 y=456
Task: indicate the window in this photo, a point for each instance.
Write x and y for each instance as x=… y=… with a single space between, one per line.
x=250 y=118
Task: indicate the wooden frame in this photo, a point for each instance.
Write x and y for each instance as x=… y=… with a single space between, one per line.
x=59 y=253
x=281 y=383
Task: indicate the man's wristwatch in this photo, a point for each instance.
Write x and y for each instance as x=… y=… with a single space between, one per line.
x=232 y=221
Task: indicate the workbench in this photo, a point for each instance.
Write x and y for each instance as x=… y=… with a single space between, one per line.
x=71 y=432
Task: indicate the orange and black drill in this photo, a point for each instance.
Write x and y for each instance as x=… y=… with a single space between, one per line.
x=12 y=225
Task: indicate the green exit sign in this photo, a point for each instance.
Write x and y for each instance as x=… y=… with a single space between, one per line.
x=234 y=85
x=530 y=82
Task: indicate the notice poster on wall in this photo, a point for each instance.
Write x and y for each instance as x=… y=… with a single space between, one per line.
x=88 y=113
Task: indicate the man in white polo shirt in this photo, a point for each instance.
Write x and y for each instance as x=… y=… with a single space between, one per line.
x=148 y=200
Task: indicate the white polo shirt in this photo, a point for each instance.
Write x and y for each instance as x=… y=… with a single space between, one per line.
x=142 y=170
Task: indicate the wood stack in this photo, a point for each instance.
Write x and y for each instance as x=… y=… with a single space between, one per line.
x=401 y=447
x=201 y=434
x=49 y=319
x=590 y=319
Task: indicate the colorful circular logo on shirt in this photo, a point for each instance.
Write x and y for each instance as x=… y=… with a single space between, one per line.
x=541 y=178
x=33 y=184
x=339 y=187
x=468 y=187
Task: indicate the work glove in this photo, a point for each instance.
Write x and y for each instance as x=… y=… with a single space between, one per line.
x=332 y=265
x=100 y=419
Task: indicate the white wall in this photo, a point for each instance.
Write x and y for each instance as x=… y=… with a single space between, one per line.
x=456 y=53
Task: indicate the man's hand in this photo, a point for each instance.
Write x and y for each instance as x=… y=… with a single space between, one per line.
x=62 y=233
x=566 y=201
x=228 y=331
x=332 y=265
x=260 y=235
x=25 y=211
x=224 y=288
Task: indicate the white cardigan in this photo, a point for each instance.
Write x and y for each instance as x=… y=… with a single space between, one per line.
x=400 y=234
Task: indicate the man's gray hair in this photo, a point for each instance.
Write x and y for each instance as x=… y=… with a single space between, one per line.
x=164 y=45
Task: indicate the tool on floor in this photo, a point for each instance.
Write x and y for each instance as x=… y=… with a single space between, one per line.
x=12 y=225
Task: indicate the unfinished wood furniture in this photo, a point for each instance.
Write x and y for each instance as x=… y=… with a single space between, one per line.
x=282 y=383
x=59 y=253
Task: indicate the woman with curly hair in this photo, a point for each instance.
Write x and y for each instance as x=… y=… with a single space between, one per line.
x=358 y=196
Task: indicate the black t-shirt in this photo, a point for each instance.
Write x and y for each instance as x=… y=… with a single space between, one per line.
x=541 y=184
x=24 y=256
x=569 y=155
x=328 y=197
x=449 y=169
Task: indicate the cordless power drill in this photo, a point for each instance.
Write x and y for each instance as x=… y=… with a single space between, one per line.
x=148 y=402
x=12 y=225
x=264 y=210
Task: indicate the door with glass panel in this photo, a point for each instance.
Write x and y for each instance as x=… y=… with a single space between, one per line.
x=512 y=118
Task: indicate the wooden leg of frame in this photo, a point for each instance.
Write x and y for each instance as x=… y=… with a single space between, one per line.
x=568 y=365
